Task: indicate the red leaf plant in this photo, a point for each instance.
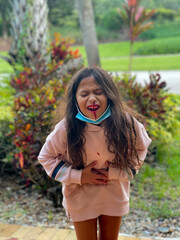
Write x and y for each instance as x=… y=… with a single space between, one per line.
x=135 y=17
x=37 y=91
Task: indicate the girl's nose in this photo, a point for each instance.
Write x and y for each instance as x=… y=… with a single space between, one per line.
x=92 y=98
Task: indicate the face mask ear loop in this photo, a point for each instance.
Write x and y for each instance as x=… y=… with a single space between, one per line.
x=78 y=107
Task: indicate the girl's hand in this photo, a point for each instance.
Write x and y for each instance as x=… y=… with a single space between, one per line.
x=93 y=176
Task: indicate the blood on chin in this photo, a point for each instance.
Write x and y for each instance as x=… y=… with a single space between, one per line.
x=94 y=112
x=92 y=115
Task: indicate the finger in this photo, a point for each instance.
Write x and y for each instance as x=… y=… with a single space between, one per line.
x=102 y=172
x=91 y=165
x=101 y=177
x=101 y=182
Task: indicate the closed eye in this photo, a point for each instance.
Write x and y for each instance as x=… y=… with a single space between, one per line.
x=99 y=92
x=96 y=92
x=84 y=94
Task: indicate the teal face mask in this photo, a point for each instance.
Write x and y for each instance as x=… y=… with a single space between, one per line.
x=83 y=118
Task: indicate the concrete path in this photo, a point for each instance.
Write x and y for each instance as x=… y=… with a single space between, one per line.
x=17 y=232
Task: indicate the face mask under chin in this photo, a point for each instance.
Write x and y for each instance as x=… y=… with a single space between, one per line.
x=103 y=116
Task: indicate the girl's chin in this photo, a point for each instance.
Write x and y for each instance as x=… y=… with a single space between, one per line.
x=93 y=115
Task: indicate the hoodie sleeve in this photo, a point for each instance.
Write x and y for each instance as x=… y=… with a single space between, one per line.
x=53 y=157
x=143 y=142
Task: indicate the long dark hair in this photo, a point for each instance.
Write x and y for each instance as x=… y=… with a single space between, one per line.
x=119 y=127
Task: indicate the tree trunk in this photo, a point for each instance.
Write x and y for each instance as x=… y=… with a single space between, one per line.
x=87 y=24
x=29 y=31
x=4 y=26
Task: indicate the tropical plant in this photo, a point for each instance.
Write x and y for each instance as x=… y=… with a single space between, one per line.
x=148 y=100
x=135 y=18
x=37 y=92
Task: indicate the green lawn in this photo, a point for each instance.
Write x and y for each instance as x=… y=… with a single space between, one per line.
x=158 y=187
x=4 y=66
x=114 y=57
x=115 y=49
x=121 y=49
x=164 y=62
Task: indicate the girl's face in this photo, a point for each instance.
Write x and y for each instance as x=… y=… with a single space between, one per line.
x=90 y=98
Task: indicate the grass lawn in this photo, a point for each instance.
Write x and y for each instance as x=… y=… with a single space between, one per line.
x=164 y=62
x=114 y=57
x=142 y=63
x=122 y=49
x=157 y=188
x=4 y=66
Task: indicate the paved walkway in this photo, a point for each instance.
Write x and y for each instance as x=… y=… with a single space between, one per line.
x=171 y=77
x=17 y=232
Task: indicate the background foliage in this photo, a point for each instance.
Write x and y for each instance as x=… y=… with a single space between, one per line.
x=63 y=17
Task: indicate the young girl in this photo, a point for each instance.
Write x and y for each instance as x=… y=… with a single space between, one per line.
x=94 y=151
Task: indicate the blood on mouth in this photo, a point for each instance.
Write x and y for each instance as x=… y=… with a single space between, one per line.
x=94 y=112
x=94 y=109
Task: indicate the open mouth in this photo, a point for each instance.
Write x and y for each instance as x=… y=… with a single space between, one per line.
x=93 y=108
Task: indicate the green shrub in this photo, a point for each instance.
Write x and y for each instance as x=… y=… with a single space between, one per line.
x=104 y=34
x=162 y=30
x=6 y=139
x=164 y=132
x=159 y=46
x=164 y=14
x=111 y=20
x=6 y=118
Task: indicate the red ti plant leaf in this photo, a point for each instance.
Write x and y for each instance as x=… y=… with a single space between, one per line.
x=138 y=14
x=21 y=160
x=135 y=17
x=131 y=2
x=28 y=127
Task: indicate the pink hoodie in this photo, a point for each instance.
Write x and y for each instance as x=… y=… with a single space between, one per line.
x=83 y=202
